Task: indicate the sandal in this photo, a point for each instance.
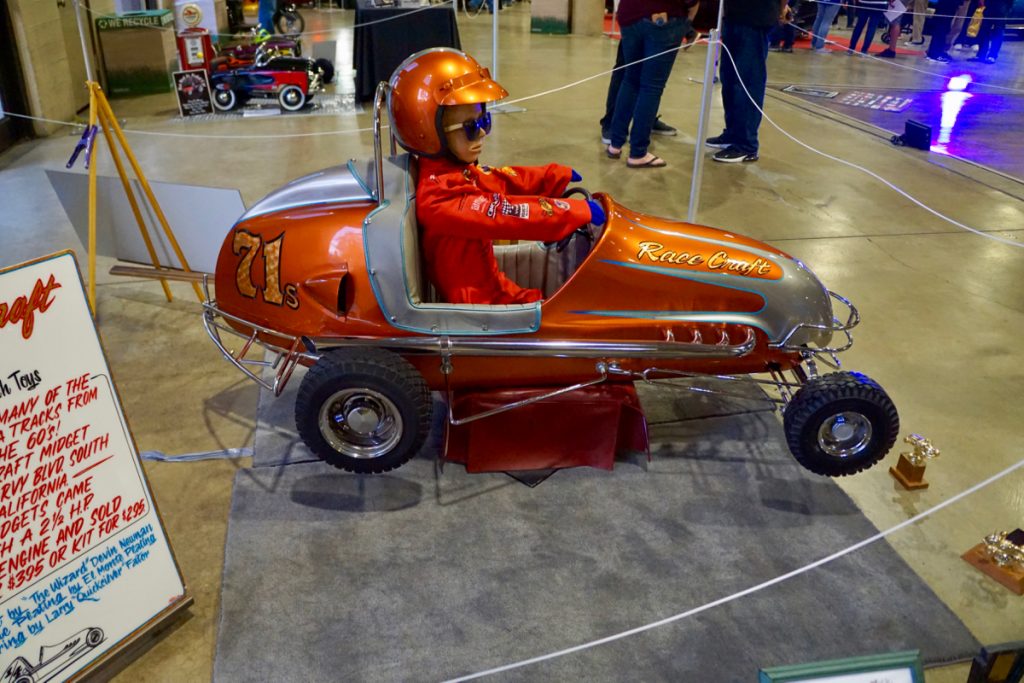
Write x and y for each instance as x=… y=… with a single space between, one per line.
x=654 y=162
x=613 y=155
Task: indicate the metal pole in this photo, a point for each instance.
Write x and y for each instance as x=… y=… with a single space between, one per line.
x=85 y=49
x=707 y=93
x=494 y=38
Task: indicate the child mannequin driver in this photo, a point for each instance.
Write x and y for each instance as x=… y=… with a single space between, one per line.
x=462 y=206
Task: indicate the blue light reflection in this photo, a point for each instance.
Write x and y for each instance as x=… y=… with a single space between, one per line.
x=953 y=101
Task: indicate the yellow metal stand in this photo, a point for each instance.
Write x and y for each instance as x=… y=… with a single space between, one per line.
x=101 y=113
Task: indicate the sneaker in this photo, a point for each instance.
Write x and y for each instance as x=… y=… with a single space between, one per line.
x=821 y=50
x=940 y=59
x=661 y=128
x=786 y=49
x=606 y=137
x=915 y=43
x=886 y=54
x=989 y=60
x=774 y=48
x=718 y=142
x=732 y=155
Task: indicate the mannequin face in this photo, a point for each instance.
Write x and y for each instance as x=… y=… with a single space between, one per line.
x=462 y=148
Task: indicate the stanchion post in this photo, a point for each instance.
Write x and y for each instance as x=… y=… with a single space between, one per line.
x=710 y=68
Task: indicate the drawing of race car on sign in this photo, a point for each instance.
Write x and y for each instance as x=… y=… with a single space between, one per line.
x=53 y=659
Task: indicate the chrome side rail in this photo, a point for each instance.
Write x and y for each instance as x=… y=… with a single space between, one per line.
x=852 y=320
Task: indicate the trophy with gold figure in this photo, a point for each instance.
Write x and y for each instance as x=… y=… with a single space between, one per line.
x=909 y=471
x=1001 y=556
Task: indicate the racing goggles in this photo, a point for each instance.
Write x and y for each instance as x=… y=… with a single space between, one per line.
x=473 y=126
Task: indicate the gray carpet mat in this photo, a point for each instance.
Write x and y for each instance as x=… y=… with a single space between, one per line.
x=412 y=576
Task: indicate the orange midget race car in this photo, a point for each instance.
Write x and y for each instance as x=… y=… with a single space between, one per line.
x=326 y=272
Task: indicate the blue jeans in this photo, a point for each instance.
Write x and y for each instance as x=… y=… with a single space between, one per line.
x=748 y=46
x=642 y=85
x=872 y=17
x=265 y=14
x=823 y=22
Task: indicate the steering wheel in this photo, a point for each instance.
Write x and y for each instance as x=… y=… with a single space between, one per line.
x=583 y=231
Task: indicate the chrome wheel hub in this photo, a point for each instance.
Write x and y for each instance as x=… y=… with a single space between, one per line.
x=844 y=434
x=360 y=423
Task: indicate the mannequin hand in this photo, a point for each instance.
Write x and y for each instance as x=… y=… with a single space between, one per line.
x=576 y=177
x=597 y=216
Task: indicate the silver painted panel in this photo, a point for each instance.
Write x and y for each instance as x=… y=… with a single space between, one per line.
x=199 y=216
x=336 y=184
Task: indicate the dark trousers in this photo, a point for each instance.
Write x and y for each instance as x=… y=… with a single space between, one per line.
x=640 y=93
x=990 y=37
x=748 y=46
x=783 y=34
x=942 y=22
x=613 y=91
x=866 y=16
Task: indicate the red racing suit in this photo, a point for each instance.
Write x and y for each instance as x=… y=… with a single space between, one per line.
x=461 y=208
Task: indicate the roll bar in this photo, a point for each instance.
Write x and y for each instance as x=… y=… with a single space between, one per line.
x=379 y=99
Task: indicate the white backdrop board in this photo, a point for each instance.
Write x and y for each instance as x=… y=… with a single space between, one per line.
x=85 y=565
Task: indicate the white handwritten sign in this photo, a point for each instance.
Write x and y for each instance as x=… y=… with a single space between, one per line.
x=84 y=562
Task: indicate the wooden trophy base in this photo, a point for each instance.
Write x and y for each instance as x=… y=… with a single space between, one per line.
x=909 y=475
x=1011 y=577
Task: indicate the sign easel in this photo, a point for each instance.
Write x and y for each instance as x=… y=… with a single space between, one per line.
x=100 y=112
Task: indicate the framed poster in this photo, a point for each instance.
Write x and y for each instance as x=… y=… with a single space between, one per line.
x=891 y=667
x=85 y=566
x=193 y=90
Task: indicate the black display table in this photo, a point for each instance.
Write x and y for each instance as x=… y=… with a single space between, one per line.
x=385 y=36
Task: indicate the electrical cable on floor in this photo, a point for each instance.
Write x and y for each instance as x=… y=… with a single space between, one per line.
x=226 y=454
x=906 y=67
x=747 y=591
x=893 y=187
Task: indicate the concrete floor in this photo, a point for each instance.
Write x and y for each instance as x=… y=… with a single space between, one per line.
x=942 y=309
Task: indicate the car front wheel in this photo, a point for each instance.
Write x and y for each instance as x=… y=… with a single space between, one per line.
x=840 y=424
x=224 y=100
x=363 y=410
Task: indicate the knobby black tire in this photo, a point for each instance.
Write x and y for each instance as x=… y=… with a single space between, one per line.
x=327 y=68
x=376 y=369
x=825 y=396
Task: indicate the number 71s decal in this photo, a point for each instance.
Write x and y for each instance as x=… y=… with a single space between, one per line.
x=248 y=245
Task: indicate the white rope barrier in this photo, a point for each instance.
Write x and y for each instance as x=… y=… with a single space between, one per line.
x=747 y=591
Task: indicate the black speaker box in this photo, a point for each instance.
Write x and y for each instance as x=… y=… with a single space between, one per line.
x=915 y=134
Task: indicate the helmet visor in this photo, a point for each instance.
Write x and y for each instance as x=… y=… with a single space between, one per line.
x=471 y=88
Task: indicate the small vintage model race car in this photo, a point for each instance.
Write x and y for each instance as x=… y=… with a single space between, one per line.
x=53 y=659
x=326 y=272
x=246 y=54
x=292 y=80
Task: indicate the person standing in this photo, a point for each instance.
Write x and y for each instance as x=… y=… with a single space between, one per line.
x=942 y=21
x=826 y=12
x=745 y=28
x=265 y=15
x=658 y=128
x=870 y=13
x=652 y=34
x=990 y=36
x=919 y=8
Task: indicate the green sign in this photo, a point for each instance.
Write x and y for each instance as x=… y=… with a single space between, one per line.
x=151 y=18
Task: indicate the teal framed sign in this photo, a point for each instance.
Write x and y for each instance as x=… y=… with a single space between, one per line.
x=891 y=667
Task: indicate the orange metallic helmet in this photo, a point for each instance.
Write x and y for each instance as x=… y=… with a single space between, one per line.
x=425 y=82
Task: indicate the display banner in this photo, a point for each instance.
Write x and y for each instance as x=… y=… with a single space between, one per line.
x=85 y=566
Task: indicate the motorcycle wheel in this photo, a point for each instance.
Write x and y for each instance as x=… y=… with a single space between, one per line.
x=292 y=98
x=363 y=410
x=326 y=68
x=224 y=100
x=840 y=424
x=289 y=23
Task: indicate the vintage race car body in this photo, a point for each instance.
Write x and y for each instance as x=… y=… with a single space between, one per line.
x=327 y=272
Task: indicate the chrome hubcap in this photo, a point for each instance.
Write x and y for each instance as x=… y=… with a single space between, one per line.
x=360 y=423
x=291 y=97
x=844 y=434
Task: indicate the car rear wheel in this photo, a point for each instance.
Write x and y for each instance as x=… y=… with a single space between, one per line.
x=224 y=100
x=292 y=98
x=840 y=424
x=94 y=637
x=363 y=410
